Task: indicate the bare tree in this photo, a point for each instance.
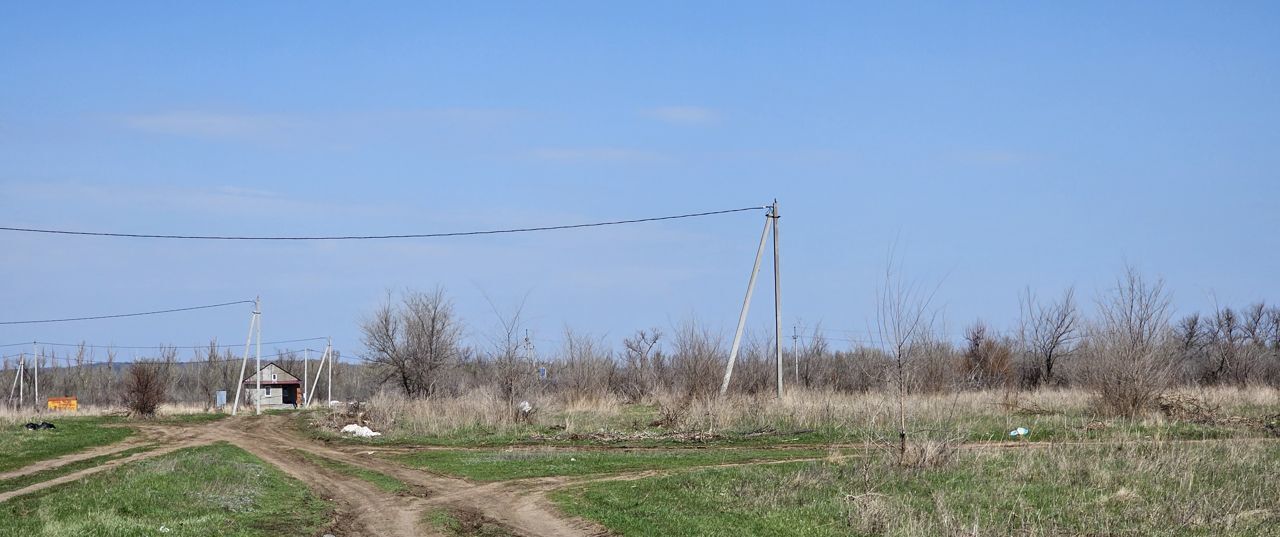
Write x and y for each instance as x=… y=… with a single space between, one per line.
x=1049 y=331
x=987 y=359
x=414 y=340
x=904 y=325
x=643 y=364
x=1128 y=344
x=145 y=387
x=586 y=367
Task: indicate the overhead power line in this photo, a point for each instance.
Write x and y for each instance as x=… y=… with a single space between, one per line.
x=117 y=316
x=372 y=237
x=151 y=347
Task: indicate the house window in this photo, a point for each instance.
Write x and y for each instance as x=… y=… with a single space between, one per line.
x=273 y=376
x=268 y=392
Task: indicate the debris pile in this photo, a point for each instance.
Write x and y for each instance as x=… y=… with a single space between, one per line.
x=39 y=426
x=1187 y=408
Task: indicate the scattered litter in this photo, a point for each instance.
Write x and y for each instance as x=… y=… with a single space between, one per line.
x=360 y=430
x=525 y=407
x=39 y=426
x=164 y=529
x=1019 y=432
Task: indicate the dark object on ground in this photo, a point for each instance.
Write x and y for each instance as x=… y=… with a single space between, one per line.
x=39 y=426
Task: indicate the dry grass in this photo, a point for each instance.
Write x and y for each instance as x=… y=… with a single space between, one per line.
x=975 y=415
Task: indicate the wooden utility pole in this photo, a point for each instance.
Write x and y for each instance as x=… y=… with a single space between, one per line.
x=777 y=296
x=746 y=305
x=306 y=372
x=329 y=383
x=244 y=361
x=35 y=395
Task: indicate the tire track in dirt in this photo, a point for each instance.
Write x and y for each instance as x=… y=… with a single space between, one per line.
x=514 y=508
x=49 y=464
x=361 y=509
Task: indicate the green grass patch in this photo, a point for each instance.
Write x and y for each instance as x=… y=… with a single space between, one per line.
x=381 y=480
x=458 y=524
x=1223 y=488
x=499 y=465
x=70 y=468
x=194 y=418
x=209 y=490
x=20 y=447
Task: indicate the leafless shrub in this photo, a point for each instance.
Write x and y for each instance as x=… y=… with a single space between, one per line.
x=643 y=365
x=586 y=367
x=1128 y=346
x=145 y=388
x=696 y=361
x=987 y=361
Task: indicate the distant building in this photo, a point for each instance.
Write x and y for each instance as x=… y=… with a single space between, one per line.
x=280 y=389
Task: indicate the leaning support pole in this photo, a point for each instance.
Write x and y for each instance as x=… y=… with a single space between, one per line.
x=777 y=296
x=316 y=383
x=253 y=320
x=16 y=375
x=746 y=305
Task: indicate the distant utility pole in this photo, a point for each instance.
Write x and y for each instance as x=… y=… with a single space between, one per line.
x=795 y=354
x=306 y=372
x=328 y=384
x=770 y=223
x=253 y=322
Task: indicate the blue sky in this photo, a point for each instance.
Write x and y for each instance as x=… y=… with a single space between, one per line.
x=994 y=146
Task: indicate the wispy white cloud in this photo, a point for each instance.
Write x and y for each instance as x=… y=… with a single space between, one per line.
x=597 y=154
x=683 y=115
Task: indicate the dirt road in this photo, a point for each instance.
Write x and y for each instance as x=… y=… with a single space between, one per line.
x=361 y=509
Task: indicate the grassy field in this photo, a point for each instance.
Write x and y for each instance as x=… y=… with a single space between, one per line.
x=813 y=418
x=1166 y=489
x=210 y=490
x=20 y=447
x=495 y=465
x=381 y=480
